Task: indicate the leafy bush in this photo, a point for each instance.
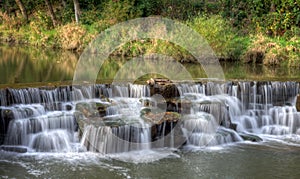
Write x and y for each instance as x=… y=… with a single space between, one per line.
x=42 y=20
x=220 y=35
x=121 y=10
x=273 y=18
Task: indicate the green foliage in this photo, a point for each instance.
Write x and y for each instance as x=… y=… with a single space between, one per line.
x=150 y=46
x=66 y=15
x=220 y=35
x=273 y=18
x=42 y=21
x=234 y=29
x=121 y=10
x=181 y=9
x=89 y=17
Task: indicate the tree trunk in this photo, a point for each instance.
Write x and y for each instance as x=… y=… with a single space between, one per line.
x=77 y=10
x=53 y=18
x=23 y=9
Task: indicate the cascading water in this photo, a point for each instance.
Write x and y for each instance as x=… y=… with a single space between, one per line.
x=106 y=139
x=110 y=120
x=256 y=107
x=209 y=109
x=124 y=129
x=269 y=108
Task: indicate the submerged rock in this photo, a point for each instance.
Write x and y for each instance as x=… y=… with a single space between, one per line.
x=250 y=137
x=17 y=149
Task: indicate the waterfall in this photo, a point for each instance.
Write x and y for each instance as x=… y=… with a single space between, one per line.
x=210 y=108
x=124 y=130
x=108 y=118
x=190 y=88
x=257 y=107
x=270 y=108
x=51 y=141
x=24 y=131
x=203 y=130
x=130 y=90
x=105 y=139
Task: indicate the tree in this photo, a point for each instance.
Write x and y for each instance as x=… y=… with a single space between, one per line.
x=53 y=18
x=23 y=9
x=77 y=10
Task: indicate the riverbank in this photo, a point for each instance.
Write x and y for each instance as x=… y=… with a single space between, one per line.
x=227 y=44
x=234 y=31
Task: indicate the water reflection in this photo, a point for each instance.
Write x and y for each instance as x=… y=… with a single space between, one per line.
x=20 y=65
x=30 y=65
x=260 y=72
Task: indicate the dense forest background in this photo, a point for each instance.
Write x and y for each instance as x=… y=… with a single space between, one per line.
x=252 y=31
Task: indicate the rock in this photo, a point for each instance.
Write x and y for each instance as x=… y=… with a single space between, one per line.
x=114 y=123
x=161 y=80
x=163 y=87
x=160 y=117
x=233 y=126
x=145 y=111
x=298 y=103
x=80 y=122
x=68 y=107
x=169 y=91
x=250 y=137
x=17 y=149
x=6 y=115
x=102 y=108
x=104 y=98
x=88 y=109
x=151 y=82
x=146 y=102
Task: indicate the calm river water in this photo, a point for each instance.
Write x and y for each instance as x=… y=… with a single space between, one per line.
x=29 y=65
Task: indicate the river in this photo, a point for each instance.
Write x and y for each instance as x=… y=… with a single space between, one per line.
x=30 y=65
x=274 y=119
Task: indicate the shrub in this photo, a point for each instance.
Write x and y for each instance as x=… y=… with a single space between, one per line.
x=71 y=36
x=220 y=35
x=271 y=51
x=121 y=10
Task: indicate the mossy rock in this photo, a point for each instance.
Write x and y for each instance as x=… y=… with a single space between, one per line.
x=88 y=109
x=114 y=123
x=145 y=111
x=158 y=118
